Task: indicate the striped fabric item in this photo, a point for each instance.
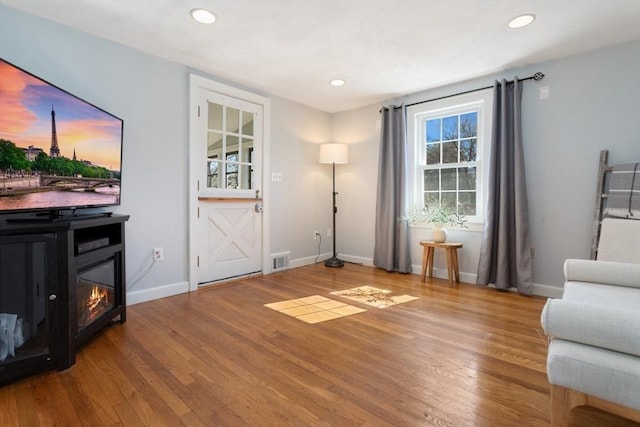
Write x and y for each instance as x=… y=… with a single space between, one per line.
x=623 y=196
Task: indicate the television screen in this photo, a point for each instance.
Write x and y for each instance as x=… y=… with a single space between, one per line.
x=56 y=150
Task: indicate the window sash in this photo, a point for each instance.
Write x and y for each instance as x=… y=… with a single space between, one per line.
x=464 y=199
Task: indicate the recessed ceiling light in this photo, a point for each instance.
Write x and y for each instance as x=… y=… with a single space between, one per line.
x=203 y=16
x=337 y=82
x=522 y=20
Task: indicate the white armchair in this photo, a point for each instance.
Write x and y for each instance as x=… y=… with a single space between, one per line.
x=594 y=351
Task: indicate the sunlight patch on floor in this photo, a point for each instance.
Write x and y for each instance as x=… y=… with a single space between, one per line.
x=314 y=308
x=375 y=297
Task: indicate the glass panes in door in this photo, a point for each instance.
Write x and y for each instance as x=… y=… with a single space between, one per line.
x=230 y=145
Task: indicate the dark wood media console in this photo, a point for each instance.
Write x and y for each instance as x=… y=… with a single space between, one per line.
x=61 y=282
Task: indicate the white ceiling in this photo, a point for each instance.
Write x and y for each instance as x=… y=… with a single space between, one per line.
x=382 y=48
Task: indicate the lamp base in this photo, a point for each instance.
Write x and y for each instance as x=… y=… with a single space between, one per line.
x=334 y=262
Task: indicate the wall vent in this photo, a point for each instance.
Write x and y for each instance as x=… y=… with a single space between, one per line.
x=280 y=261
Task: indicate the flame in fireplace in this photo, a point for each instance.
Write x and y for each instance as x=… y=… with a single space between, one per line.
x=97 y=301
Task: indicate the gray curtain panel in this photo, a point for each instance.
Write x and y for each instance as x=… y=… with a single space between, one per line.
x=505 y=257
x=392 y=250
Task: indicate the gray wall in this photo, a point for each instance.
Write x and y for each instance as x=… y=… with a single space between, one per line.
x=301 y=202
x=594 y=104
x=150 y=95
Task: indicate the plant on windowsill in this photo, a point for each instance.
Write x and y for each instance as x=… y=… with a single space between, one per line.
x=439 y=216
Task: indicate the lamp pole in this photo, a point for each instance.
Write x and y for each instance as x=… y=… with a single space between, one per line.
x=334 y=261
x=332 y=153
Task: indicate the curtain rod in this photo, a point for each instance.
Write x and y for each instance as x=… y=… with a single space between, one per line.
x=537 y=77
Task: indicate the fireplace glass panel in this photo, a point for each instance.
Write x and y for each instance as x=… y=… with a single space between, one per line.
x=24 y=330
x=95 y=292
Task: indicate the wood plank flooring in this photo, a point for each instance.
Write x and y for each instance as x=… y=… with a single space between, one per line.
x=464 y=356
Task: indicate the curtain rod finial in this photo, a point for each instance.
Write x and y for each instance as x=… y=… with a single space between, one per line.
x=538 y=76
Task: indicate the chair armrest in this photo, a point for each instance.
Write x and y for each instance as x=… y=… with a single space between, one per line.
x=602 y=326
x=606 y=272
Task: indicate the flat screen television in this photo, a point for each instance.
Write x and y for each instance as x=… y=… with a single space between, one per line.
x=57 y=152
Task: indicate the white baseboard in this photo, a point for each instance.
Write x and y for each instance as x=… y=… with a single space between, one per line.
x=346 y=258
x=144 y=295
x=539 y=289
x=548 y=291
x=442 y=273
x=356 y=259
x=300 y=262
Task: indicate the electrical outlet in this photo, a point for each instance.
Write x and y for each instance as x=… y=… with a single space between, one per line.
x=158 y=255
x=329 y=232
x=316 y=235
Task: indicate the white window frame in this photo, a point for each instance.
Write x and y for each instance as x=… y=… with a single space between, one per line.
x=417 y=115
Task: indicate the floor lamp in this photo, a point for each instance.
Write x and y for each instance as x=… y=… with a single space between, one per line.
x=335 y=154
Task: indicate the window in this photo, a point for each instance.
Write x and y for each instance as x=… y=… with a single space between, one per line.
x=448 y=139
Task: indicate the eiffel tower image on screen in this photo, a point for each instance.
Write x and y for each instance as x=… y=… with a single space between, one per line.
x=55 y=150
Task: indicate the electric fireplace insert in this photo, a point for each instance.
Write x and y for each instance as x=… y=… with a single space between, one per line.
x=95 y=292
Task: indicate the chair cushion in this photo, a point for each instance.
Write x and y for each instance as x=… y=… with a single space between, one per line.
x=595 y=293
x=609 y=327
x=606 y=272
x=606 y=374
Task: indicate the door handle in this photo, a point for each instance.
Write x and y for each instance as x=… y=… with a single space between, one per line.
x=258 y=207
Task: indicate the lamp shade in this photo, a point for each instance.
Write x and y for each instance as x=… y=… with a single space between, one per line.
x=334 y=153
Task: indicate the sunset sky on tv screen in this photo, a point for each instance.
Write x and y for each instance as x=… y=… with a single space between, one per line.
x=25 y=120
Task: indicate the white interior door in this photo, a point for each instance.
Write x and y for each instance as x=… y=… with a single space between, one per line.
x=228 y=171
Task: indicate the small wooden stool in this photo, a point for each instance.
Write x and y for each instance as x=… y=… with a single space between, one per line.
x=452 y=259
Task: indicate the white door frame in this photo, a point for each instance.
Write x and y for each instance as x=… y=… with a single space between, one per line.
x=197 y=84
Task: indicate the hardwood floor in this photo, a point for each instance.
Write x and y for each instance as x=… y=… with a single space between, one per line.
x=464 y=356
